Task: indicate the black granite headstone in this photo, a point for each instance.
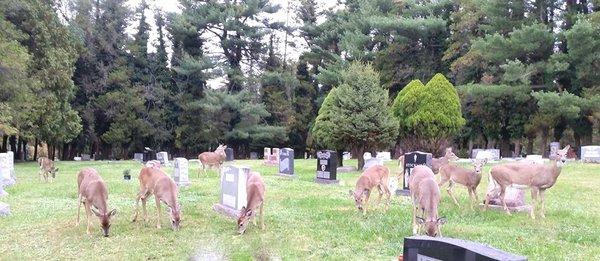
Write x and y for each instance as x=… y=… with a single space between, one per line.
x=286 y=162
x=411 y=160
x=228 y=154
x=441 y=248
x=327 y=166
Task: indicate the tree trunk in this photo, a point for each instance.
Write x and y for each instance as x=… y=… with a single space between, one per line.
x=530 y=145
x=544 y=143
x=340 y=157
x=19 y=151
x=361 y=160
x=4 y=143
x=505 y=147
x=35 y=149
x=13 y=143
x=517 y=151
x=470 y=147
x=577 y=146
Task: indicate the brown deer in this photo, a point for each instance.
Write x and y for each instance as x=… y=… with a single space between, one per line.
x=538 y=177
x=94 y=195
x=375 y=176
x=47 y=169
x=155 y=182
x=425 y=195
x=255 y=192
x=437 y=163
x=469 y=178
x=212 y=159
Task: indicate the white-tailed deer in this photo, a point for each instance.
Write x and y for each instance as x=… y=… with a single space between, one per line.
x=255 y=192
x=212 y=159
x=47 y=169
x=155 y=182
x=375 y=176
x=538 y=177
x=425 y=195
x=94 y=195
x=469 y=178
x=437 y=163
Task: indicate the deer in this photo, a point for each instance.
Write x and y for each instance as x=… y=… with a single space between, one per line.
x=255 y=192
x=211 y=159
x=469 y=178
x=375 y=176
x=155 y=182
x=425 y=195
x=538 y=177
x=437 y=163
x=47 y=169
x=93 y=193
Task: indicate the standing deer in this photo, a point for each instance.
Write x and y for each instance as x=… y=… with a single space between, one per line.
x=47 y=169
x=255 y=191
x=437 y=163
x=155 y=182
x=538 y=177
x=425 y=195
x=211 y=159
x=469 y=178
x=94 y=195
x=375 y=176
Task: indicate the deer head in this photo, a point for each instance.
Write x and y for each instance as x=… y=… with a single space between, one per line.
x=243 y=219
x=105 y=220
x=53 y=172
x=432 y=227
x=478 y=165
x=175 y=215
x=450 y=155
x=358 y=198
x=561 y=156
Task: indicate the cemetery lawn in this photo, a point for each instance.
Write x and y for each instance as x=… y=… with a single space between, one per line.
x=304 y=220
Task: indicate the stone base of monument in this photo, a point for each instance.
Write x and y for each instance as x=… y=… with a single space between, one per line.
x=346 y=169
x=4 y=209
x=287 y=175
x=227 y=211
x=327 y=181
x=402 y=192
x=442 y=248
x=522 y=208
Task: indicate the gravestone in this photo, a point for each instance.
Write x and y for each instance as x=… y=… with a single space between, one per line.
x=554 y=147
x=139 y=157
x=275 y=152
x=425 y=248
x=180 y=172
x=384 y=155
x=367 y=155
x=327 y=167
x=411 y=160
x=77 y=158
x=253 y=155
x=346 y=155
x=233 y=190
x=228 y=154
x=286 y=162
x=514 y=198
x=6 y=169
x=590 y=154
x=86 y=157
x=489 y=154
x=163 y=158
x=266 y=153
x=4 y=209
x=2 y=192
x=372 y=162
x=536 y=159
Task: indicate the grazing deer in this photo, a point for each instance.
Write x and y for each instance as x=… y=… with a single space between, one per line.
x=47 y=169
x=255 y=192
x=538 y=177
x=469 y=178
x=425 y=195
x=155 y=182
x=437 y=163
x=375 y=176
x=211 y=159
x=94 y=195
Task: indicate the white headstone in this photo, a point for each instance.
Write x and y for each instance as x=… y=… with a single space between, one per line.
x=384 y=155
x=590 y=154
x=367 y=155
x=536 y=159
x=554 y=147
x=275 y=152
x=163 y=157
x=6 y=168
x=372 y=162
x=489 y=154
x=181 y=171
x=346 y=155
x=139 y=157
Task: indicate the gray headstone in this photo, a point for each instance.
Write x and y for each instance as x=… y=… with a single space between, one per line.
x=490 y=154
x=4 y=209
x=372 y=162
x=367 y=155
x=7 y=175
x=346 y=155
x=253 y=155
x=86 y=157
x=590 y=154
x=384 y=155
x=139 y=157
x=181 y=171
x=327 y=165
x=286 y=161
x=554 y=147
x=233 y=186
x=413 y=159
x=163 y=158
x=228 y=154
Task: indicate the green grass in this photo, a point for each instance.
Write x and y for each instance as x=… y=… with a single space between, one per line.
x=304 y=220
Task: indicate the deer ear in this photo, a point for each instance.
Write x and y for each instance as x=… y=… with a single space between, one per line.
x=420 y=220
x=249 y=213
x=95 y=212
x=566 y=148
x=112 y=212
x=441 y=220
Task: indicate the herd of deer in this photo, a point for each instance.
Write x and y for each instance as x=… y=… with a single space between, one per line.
x=424 y=190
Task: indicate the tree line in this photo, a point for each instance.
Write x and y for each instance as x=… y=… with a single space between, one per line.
x=519 y=75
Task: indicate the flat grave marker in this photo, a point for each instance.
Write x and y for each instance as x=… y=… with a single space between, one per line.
x=425 y=248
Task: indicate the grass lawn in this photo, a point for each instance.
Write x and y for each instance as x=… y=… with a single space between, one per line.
x=304 y=220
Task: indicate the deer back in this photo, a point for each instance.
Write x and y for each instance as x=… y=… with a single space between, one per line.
x=372 y=177
x=45 y=163
x=92 y=187
x=255 y=190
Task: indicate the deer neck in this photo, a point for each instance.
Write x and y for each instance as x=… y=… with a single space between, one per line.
x=555 y=169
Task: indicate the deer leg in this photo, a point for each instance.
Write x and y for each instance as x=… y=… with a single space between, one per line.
x=366 y=201
x=262 y=216
x=502 y=194
x=534 y=201
x=137 y=205
x=157 y=211
x=78 y=209
x=380 y=190
x=449 y=190
x=414 y=223
x=144 y=199
x=88 y=214
x=388 y=194
x=543 y=208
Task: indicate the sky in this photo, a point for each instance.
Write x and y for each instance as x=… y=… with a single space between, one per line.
x=173 y=6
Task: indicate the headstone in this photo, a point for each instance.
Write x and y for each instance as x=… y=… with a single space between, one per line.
x=228 y=154
x=489 y=154
x=153 y=164
x=590 y=154
x=86 y=157
x=372 y=162
x=327 y=167
x=411 y=160
x=367 y=155
x=233 y=190
x=139 y=157
x=554 y=147
x=514 y=199
x=537 y=159
x=425 y=248
x=6 y=169
x=4 y=209
x=346 y=155
x=266 y=153
x=163 y=158
x=286 y=162
x=2 y=192
x=276 y=154
x=253 y=155
x=77 y=158
x=180 y=172
x=11 y=165
x=384 y=155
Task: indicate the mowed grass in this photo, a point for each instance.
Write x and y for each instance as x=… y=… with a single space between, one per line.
x=304 y=220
